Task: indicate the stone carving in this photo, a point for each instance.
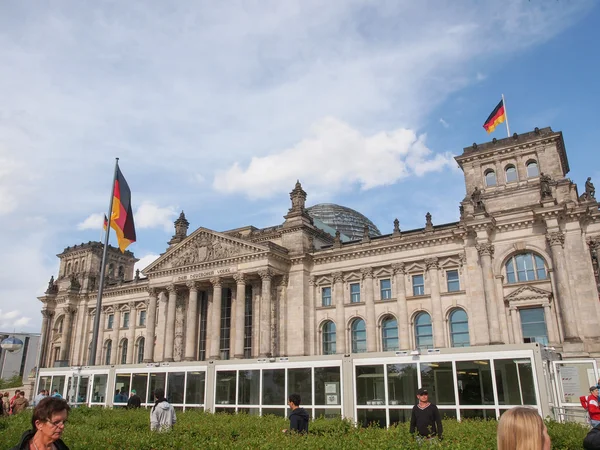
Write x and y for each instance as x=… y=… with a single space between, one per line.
x=298 y=197
x=476 y=200
x=545 y=190
x=52 y=289
x=337 y=277
x=462 y=258
x=179 y=328
x=590 y=190
x=398 y=268
x=556 y=238
x=312 y=280
x=428 y=223
x=192 y=285
x=152 y=291
x=461 y=210
x=265 y=274
x=366 y=272
x=239 y=278
x=131 y=305
x=74 y=283
x=216 y=282
x=205 y=249
x=432 y=263
x=284 y=281
x=485 y=249
x=396 y=227
x=171 y=288
x=366 y=237
x=137 y=275
x=47 y=313
x=337 y=241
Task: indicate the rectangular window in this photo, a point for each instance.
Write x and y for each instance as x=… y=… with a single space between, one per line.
x=203 y=326
x=453 y=281
x=225 y=324
x=111 y=319
x=355 y=293
x=326 y=296
x=142 y=318
x=533 y=325
x=386 y=289
x=418 y=283
x=248 y=322
x=126 y=320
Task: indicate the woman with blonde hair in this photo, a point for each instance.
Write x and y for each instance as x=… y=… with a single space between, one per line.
x=522 y=428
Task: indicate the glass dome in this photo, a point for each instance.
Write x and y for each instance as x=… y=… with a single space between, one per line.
x=12 y=344
x=345 y=220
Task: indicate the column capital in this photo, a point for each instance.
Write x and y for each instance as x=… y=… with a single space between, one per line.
x=265 y=274
x=131 y=305
x=337 y=277
x=593 y=242
x=398 y=268
x=432 y=263
x=47 y=314
x=192 y=285
x=239 y=278
x=152 y=291
x=366 y=272
x=485 y=249
x=172 y=289
x=462 y=258
x=284 y=281
x=312 y=280
x=555 y=238
x=70 y=309
x=216 y=282
x=546 y=304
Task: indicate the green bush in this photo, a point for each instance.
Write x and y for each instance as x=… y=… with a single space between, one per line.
x=98 y=428
x=12 y=382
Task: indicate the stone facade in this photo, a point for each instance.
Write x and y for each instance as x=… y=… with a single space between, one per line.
x=526 y=243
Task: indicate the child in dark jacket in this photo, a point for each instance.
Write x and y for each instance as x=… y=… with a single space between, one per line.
x=299 y=418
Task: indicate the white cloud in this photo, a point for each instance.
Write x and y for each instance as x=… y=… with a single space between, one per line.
x=10 y=314
x=145 y=261
x=334 y=157
x=93 y=222
x=150 y=215
x=21 y=322
x=444 y=123
x=13 y=320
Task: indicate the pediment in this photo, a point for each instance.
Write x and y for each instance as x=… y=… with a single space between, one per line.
x=203 y=246
x=528 y=293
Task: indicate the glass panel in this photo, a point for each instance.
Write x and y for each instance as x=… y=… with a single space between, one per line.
x=575 y=379
x=510 y=271
x=335 y=413
x=299 y=382
x=438 y=380
x=100 y=382
x=389 y=331
x=370 y=389
x=453 y=281
x=142 y=318
x=194 y=393
x=400 y=416
x=139 y=382
x=329 y=338
x=274 y=412
x=326 y=296
x=249 y=411
x=474 y=382
x=532 y=169
x=273 y=387
x=418 y=285
x=511 y=174
x=533 y=325
x=45 y=383
x=424 y=331
x=482 y=414
x=226 y=380
x=327 y=386
x=248 y=322
x=508 y=380
x=226 y=410
x=203 y=301
x=386 y=289
x=140 y=350
x=157 y=381
x=402 y=384
x=82 y=393
x=249 y=386
x=359 y=336
x=111 y=319
x=126 y=320
x=122 y=388
x=175 y=387
x=540 y=267
x=355 y=292
x=459 y=328
x=124 y=351
x=225 y=324
x=490 y=178
x=375 y=417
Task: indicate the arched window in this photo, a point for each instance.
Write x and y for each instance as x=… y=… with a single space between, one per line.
x=140 y=350
x=121 y=273
x=423 y=331
x=68 y=268
x=107 y=352
x=111 y=269
x=124 y=351
x=328 y=333
x=490 y=177
x=76 y=267
x=389 y=334
x=511 y=174
x=358 y=336
x=59 y=325
x=532 y=169
x=459 y=328
x=529 y=267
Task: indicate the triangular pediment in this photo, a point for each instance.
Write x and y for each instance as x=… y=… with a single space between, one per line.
x=528 y=293
x=203 y=246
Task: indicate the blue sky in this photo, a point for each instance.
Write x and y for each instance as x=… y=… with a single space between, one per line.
x=217 y=110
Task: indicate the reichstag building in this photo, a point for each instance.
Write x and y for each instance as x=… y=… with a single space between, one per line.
x=487 y=312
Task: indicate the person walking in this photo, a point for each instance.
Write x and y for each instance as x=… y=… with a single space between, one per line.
x=425 y=418
x=21 y=403
x=56 y=394
x=38 y=398
x=47 y=425
x=299 y=418
x=162 y=416
x=522 y=428
x=12 y=401
x=134 y=401
x=6 y=404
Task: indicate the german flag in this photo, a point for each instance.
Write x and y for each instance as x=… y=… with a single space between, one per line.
x=121 y=218
x=497 y=116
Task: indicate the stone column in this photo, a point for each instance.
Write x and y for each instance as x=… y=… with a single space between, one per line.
x=552 y=336
x=215 y=321
x=191 y=323
x=66 y=333
x=556 y=241
x=131 y=333
x=255 y=317
x=514 y=318
x=114 y=353
x=170 y=326
x=150 y=326
x=486 y=251
x=100 y=342
x=310 y=336
x=403 y=322
x=367 y=278
x=265 y=313
x=240 y=303
x=340 y=314
x=439 y=334
x=47 y=317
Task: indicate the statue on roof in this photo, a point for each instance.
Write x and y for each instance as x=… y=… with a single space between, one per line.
x=590 y=190
x=428 y=222
x=545 y=190
x=396 y=226
x=478 y=205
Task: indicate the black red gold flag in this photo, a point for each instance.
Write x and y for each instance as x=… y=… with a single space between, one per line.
x=497 y=116
x=121 y=219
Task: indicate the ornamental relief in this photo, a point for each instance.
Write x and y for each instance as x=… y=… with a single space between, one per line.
x=205 y=248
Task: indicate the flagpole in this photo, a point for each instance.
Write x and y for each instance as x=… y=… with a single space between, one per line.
x=92 y=360
x=505 y=115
